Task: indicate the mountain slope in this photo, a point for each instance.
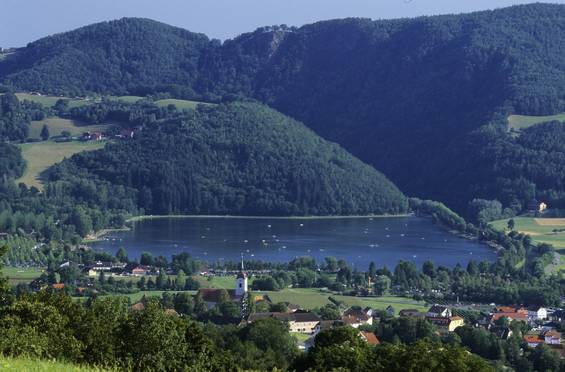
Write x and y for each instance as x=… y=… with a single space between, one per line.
x=110 y=57
x=401 y=95
x=229 y=159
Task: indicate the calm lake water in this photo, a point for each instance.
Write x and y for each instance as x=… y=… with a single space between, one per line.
x=357 y=240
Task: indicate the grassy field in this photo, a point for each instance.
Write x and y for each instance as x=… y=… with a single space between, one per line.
x=18 y=275
x=381 y=303
x=41 y=155
x=50 y=101
x=57 y=125
x=540 y=229
x=24 y=364
x=310 y=298
x=522 y=121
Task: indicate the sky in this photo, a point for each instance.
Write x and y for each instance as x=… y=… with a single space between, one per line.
x=28 y=20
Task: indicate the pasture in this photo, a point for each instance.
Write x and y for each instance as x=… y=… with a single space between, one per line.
x=57 y=125
x=41 y=155
x=17 y=275
x=381 y=303
x=50 y=101
x=542 y=230
x=518 y=122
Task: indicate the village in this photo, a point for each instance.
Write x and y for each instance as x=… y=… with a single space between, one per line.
x=535 y=325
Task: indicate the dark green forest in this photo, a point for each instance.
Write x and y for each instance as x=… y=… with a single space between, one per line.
x=241 y=158
x=402 y=95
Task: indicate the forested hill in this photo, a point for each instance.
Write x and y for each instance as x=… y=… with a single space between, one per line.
x=403 y=95
x=110 y=57
x=240 y=158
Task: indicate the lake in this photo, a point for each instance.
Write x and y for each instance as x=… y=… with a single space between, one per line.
x=384 y=240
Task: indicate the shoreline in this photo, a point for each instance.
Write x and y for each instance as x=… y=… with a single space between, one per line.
x=99 y=235
x=229 y=216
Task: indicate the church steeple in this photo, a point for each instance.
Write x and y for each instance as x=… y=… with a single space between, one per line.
x=241 y=281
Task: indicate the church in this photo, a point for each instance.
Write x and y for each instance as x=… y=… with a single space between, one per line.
x=213 y=295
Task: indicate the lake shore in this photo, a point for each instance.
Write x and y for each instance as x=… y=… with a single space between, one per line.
x=154 y=217
x=99 y=235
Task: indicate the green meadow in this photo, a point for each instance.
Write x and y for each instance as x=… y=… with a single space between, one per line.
x=17 y=275
x=39 y=156
x=50 y=101
x=57 y=125
x=518 y=122
x=540 y=229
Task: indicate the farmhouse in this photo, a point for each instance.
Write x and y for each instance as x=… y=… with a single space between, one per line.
x=438 y=311
x=356 y=317
x=369 y=337
x=447 y=324
x=537 y=313
x=299 y=321
x=140 y=270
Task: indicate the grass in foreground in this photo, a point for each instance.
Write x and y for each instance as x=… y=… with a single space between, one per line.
x=23 y=364
x=41 y=155
x=518 y=122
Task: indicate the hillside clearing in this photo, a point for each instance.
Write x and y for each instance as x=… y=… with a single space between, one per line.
x=518 y=122
x=540 y=229
x=17 y=275
x=56 y=125
x=41 y=155
x=50 y=101
x=180 y=104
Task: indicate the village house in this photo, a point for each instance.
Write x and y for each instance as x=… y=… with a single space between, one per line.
x=557 y=315
x=510 y=312
x=95 y=269
x=356 y=317
x=447 y=324
x=552 y=338
x=299 y=321
x=369 y=337
x=438 y=311
x=537 y=313
x=140 y=270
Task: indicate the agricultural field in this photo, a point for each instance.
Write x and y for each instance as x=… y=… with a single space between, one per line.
x=50 y=101
x=518 y=122
x=24 y=364
x=17 y=275
x=381 y=303
x=136 y=297
x=41 y=155
x=542 y=230
x=56 y=125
